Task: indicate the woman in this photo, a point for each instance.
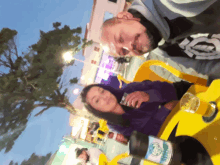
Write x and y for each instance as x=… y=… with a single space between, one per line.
x=152 y=102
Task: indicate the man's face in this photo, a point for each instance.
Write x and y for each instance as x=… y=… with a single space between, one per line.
x=126 y=37
x=83 y=156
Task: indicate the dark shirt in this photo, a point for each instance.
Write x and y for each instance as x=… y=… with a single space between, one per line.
x=183 y=40
x=151 y=115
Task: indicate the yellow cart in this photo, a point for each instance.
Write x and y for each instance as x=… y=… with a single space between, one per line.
x=191 y=125
x=185 y=124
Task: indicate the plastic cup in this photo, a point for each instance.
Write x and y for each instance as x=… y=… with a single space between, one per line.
x=192 y=104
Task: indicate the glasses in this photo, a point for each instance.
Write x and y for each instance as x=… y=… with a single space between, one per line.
x=192 y=104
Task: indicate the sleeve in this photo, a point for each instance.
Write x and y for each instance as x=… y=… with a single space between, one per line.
x=188 y=8
x=187 y=1
x=158 y=91
x=147 y=122
x=152 y=127
x=94 y=155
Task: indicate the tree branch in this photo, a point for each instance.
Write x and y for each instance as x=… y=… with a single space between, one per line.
x=29 y=83
x=10 y=61
x=44 y=104
x=39 y=113
x=15 y=47
x=5 y=63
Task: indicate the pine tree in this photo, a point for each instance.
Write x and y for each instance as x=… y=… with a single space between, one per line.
x=33 y=79
x=34 y=160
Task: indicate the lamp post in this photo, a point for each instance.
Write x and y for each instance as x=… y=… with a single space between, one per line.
x=67 y=57
x=76 y=91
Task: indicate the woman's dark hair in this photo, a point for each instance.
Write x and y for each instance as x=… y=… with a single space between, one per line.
x=79 y=151
x=110 y=117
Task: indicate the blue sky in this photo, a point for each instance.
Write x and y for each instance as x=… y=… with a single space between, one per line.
x=43 y=134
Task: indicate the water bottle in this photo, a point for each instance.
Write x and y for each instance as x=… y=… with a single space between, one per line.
x=154 y=149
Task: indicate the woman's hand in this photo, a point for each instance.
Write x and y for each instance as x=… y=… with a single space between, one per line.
x=135 y=99
x=170 y=105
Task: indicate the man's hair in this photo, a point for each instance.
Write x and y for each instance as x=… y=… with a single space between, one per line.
x=79 y=151
x=111 y=22
x=108 y=23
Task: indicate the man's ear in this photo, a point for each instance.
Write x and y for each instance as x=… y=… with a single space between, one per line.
x=126 y=15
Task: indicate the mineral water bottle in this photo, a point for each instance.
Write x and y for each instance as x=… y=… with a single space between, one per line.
x=154 y=149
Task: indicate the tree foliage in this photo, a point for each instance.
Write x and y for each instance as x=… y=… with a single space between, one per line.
x=34 y=160
x=74 y=80
x=32 y=79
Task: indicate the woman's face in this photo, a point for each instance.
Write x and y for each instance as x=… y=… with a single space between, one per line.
x=101 y=99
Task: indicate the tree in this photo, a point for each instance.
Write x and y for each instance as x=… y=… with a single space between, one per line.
x=12 y=163
x=34 y=160
x=13 y=122
x=32 y=79
x=56 y=99
x=74 y=80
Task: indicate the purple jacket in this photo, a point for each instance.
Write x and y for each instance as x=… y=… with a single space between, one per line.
x=151 y=115
x=113 y=82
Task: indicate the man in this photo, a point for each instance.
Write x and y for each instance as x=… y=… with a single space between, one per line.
x=182 y=29
x=90 y=155
x=118 y=137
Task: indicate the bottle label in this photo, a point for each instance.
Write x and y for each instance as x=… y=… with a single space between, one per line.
x=159 y=151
